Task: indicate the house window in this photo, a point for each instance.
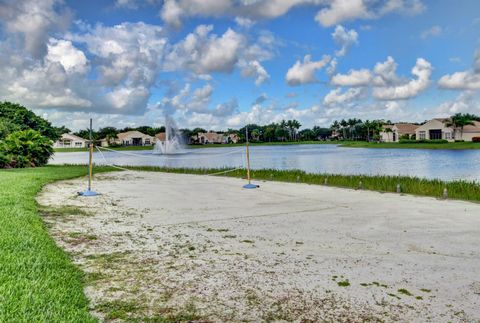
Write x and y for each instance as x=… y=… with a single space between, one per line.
x=78 y=144
x=66 y=143
x=421 y=135
x=147 y=141
x=448 y=135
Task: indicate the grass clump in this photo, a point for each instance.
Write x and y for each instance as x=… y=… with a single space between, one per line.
x=344 y=283
x=118 y=309
x=38 y=282
x=404 y=292
x=61 y=211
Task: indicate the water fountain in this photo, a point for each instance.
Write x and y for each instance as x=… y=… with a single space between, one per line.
x=173 y=143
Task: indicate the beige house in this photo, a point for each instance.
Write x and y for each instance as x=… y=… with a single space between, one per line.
x=70 y=141
x=398 y=131
x=211 y=138
x=130 y=138
x=440 y=128
x=215 y=138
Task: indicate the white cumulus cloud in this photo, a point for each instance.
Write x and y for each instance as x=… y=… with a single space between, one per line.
x=345 y=39
x=465 y=80
x=304 y=72
x=360 y=77
x=256 y=70
x=422 y=70
x=72 y=59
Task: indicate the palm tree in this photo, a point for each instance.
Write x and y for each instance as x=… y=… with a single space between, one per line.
x=255 y=134
x=296 y=125
x=283 y=126
x=388 y=131
x=460 y=120
x=367 y=124
x=335 y=127
x=344 y=125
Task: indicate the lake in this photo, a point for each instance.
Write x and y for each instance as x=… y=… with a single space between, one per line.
x=440 y=164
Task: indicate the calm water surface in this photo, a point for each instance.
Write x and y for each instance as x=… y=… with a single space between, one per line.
x=441 y=164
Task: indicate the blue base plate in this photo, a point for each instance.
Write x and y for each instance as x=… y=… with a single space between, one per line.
x=250 y=186
x=88 y=193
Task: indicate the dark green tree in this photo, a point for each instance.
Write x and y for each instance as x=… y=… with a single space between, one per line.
x=23 y=119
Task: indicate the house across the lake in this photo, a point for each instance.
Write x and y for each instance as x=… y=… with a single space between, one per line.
x=215 y=138
x=441 y=128
x=161 y=136
x=70 y=141
x=130 y=138
x=397 y=131
x=211 y=138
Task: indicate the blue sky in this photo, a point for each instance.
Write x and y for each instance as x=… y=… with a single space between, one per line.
x=219 y=64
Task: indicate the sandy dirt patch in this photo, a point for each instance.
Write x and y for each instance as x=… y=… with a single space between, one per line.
x=197 y=247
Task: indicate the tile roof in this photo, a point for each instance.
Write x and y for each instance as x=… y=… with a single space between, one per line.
x=406 y=128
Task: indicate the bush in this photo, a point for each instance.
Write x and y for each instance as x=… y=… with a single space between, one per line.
x=460 y=140
x=27 y=148
x=424 y=141
x=476 y=139
x=5 y=160
x=409 y=141
x=438 y=141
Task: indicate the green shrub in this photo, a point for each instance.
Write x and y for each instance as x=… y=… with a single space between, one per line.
x=5 y=160
x=438 y=141
x=424 y=141
x=27 y=148
x=460 y=140
x=409 y=141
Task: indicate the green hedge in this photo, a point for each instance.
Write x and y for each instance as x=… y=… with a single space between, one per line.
x=424 y=141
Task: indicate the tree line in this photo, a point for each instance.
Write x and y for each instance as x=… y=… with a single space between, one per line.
x=289 y=130
x=286 y=130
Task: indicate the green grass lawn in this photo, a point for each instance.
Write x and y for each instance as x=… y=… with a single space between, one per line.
x=38 y=282
x=450 y=145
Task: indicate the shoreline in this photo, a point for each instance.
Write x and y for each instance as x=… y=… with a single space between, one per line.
x=343 y=144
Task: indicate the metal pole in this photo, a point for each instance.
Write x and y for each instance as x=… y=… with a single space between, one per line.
x=248 y=156
x=90 y=163
x=249 y=185
x=89 y=191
